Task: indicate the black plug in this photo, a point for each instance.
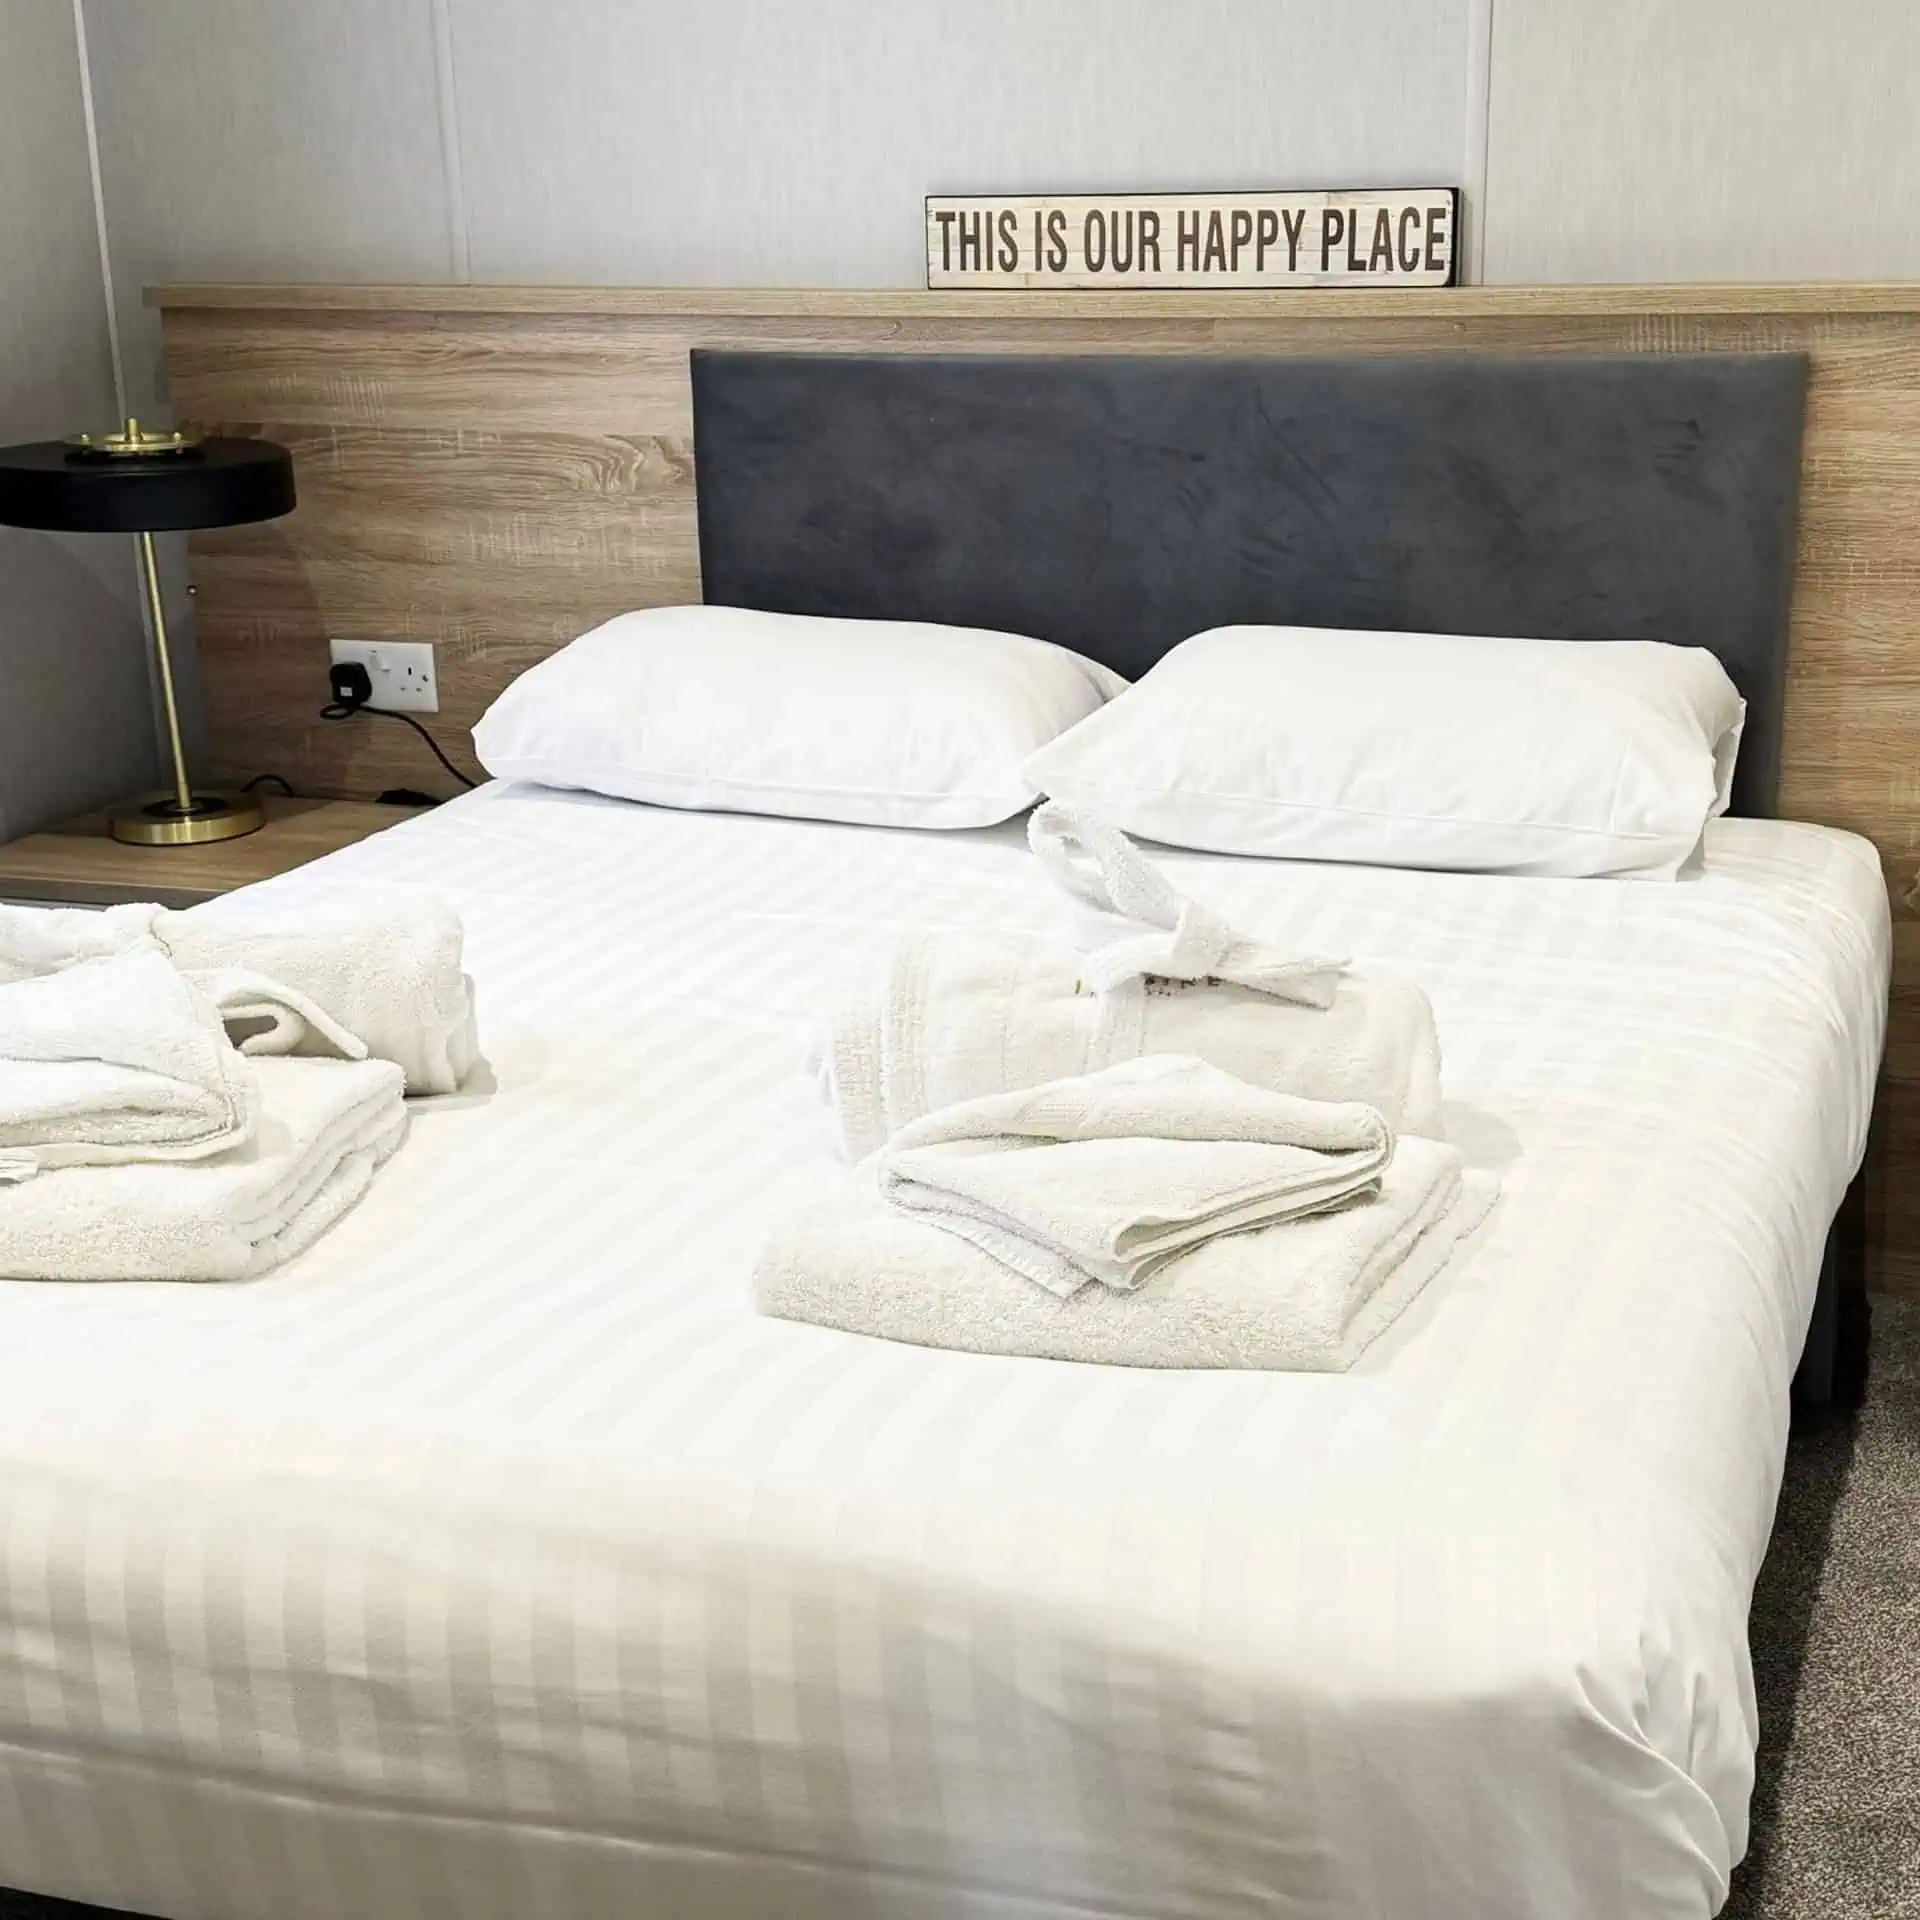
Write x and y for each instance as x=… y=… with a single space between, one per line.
x=352 y=684
x=353 y=693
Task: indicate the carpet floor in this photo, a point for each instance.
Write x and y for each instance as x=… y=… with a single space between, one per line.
x=1836 y=1655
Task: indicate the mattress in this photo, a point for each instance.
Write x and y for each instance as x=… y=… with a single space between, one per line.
x=494 y=1558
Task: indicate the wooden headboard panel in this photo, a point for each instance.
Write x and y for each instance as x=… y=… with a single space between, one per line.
x=496 y=469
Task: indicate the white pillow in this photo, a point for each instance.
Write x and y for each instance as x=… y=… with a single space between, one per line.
x=881 y=721
x=1413 y=750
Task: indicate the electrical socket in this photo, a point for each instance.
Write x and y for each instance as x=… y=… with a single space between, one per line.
x=401 y=672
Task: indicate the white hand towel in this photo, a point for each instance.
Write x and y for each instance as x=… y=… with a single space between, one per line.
x=323 y=1127
x=387 y=972
x=263 y=1016
x=1308 y=1296
x=952 y=1017
x=1100 y=865
x=113 y=1060
x=1109 y=1176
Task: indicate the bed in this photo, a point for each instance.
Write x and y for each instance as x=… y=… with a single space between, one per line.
x=494 y=1558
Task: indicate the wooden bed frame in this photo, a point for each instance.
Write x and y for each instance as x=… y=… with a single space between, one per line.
x=495 y=469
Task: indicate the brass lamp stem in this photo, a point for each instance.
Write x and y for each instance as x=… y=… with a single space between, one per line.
x=150 y=578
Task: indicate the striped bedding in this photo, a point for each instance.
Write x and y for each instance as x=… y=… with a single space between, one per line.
x=494 y=1559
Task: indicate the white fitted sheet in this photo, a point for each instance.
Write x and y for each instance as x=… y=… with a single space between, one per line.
x=493 y=1558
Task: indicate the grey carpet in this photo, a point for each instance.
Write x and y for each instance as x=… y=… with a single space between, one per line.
x=1836 y=1654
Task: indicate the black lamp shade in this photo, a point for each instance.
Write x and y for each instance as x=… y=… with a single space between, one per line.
x=218 y=483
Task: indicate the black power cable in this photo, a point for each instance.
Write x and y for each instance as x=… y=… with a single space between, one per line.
x=353 y=693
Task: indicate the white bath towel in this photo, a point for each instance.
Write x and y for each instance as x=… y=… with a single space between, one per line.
x=1307 y=1296
x=388 y=973
x=322 y=1128
x=113 y=1060
x=1107 y=1177
x=952 y=1017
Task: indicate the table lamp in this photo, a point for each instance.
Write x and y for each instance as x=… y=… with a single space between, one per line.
x=146 y=483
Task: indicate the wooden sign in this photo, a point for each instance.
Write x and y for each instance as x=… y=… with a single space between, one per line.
x=1402 y=238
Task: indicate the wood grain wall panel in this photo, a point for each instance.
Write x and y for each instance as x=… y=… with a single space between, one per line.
x=447 y=535
x=1893 y=1219
x=490 y=471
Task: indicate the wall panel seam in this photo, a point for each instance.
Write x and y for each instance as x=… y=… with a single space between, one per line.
x=99 y=207
x=459 y=239
x=108 y=300
x=1479 y=132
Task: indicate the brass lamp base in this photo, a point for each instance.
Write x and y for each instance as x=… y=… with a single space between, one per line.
x=159 y=820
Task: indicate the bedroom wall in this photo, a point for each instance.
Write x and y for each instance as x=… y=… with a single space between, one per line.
x=728 y=142
x=749 y=142
x=755 y=142
x=75 y=714
x=733 y=142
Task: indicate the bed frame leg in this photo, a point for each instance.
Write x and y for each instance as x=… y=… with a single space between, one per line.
x=1831 y=1380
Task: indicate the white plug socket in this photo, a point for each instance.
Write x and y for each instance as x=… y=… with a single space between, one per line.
x=401 y=672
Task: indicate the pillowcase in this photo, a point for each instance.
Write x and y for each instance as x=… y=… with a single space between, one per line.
x=723 y=708
x=1413 y=750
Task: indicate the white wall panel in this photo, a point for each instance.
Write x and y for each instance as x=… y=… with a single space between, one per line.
x=1649 y=140
x=762 y=142
x=74 y=716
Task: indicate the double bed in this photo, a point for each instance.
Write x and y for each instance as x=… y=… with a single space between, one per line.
x=495 y=1558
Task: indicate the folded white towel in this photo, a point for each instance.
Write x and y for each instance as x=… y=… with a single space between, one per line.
x=1109 y=1176
x=387 y=972
x=322 y=1128
x=37 y=940
x=1100 y=865
x=952 y=1017
x=262 y=1016
x=1308 y=1296
x=112 y=1060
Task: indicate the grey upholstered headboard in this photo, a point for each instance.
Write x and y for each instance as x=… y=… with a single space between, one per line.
x=1118 y=505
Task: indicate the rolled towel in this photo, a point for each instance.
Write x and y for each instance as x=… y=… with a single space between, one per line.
x=952 y=1017
x=116 y=1059
x=323 y=1127
x=1107 y=1177
x=387 y=972
x=1309 y=1296
x=262 y=1016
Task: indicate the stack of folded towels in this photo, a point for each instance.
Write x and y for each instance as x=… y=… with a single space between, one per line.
x=1186 y=1149
x=198 y=1096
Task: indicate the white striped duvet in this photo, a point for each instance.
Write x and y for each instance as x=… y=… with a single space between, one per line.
x=493 y=1559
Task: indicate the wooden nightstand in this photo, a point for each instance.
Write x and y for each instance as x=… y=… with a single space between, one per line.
x=78 y=865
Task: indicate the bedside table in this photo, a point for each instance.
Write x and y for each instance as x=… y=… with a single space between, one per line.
x=78 y=865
